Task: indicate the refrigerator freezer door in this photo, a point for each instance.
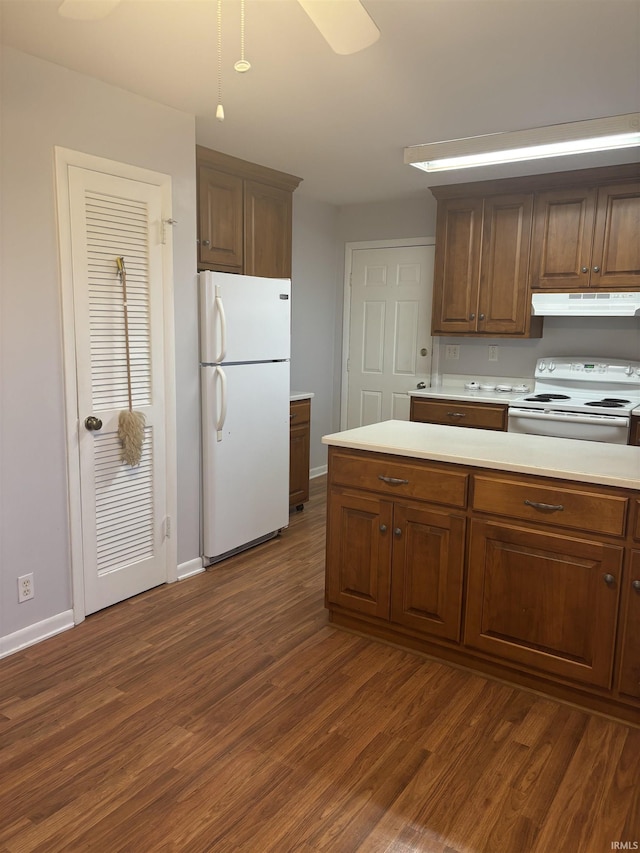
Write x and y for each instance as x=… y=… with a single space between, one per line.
x=245 y=454
x=243 y=318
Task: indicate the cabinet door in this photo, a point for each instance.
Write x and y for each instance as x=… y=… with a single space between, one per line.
x=630 y=657
x=219 y=220
x=267 y=230
x=615 y=261
x=504 y=303
x=544 y=601
x=634 y=432
x=298 y=464
x=457 y=266
x=562 y=239
x=359 y=540
x=427 y=567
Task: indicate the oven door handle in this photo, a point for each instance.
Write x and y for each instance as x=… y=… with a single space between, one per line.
x=569 y=418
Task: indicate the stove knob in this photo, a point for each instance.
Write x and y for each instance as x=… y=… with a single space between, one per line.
x=542 y=366
x=629 y=370
x=552 y=366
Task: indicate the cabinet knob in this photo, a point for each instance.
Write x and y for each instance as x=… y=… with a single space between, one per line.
x=383 y=528
x=609 y=579
x=397 y=531
x=596 y=269
x=206 y=242
x=472 y=316
x=481 y=317
x=636 y=585
x=584 y=269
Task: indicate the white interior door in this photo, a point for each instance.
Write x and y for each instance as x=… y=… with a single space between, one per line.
x=389 y=331
x=124 y=524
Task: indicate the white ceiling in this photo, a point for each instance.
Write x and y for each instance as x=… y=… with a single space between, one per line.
x=441 y=69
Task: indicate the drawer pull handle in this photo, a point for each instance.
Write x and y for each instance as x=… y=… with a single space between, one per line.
x=393 y=481
x=636 y=585
x=546 y=507
x=457 y=414
x=609 y=579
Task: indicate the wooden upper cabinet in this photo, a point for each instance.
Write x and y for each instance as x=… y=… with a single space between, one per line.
x=220 y=219
x=267 y=230
x=244 y=216
x=587 y=238
x=616 y=242
x=481 y=266
x=456 y=266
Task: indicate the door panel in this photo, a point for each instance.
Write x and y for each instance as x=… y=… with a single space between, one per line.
x=388 y=331
x=123 y=508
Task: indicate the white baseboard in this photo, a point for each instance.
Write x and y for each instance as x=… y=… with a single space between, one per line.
x=318 y=472
x=190 y=568
x=33 y=634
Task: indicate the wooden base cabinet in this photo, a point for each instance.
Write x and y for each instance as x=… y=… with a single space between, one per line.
x=299 y=450
x=529 y=594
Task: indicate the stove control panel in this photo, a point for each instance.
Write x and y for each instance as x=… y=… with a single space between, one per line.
x=582 y=369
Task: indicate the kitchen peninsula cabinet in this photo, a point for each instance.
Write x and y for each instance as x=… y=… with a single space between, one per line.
x=481 y=267
x=586 y=237
x=473 y=415
x=244 y=216
x=474 y=552
x=299 y=449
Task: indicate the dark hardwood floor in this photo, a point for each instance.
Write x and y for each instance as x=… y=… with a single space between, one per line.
x=223 y=713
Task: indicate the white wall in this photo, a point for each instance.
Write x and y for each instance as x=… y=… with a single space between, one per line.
x=612 y=337
x=44 y=105
x=316 y=316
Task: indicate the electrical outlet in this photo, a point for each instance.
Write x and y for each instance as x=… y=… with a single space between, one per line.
x=452 y=351
x=25 y=587
x=493 y=353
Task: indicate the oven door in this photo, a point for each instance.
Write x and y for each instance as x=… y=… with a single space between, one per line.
x=613 y=429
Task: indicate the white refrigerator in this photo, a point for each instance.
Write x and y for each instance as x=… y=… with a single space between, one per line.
x=244 y=366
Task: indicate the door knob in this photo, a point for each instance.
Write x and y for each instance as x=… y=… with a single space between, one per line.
x=92 y=423
x=424 y=351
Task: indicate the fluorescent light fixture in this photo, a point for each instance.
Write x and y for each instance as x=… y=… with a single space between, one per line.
x=580 y=137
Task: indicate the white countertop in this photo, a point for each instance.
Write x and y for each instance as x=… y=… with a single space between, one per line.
x=455 y=392
x=565 y=458
x=305 y=395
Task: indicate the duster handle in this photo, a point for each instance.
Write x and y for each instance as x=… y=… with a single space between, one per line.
x=123 y=277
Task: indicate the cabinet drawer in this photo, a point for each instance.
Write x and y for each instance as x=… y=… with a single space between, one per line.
x=452 y=412
x=389 y=476
x=299 y=412
x=582 y=509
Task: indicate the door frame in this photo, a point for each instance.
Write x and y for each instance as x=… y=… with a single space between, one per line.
x=64 y=158
x=350 y=248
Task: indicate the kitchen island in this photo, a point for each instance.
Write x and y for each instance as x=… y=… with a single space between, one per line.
x=515 y=555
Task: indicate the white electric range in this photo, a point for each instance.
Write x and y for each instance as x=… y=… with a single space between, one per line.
x=574 y=397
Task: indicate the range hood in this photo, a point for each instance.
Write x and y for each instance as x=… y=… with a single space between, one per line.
x=594 y=304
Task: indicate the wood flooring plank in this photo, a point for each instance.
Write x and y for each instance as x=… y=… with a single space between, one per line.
x=225 y=714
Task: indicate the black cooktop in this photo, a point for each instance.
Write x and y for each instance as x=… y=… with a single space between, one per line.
x=547 y=398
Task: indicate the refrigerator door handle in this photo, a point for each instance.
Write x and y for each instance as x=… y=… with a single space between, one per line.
x=223 y=325
x=222 y=416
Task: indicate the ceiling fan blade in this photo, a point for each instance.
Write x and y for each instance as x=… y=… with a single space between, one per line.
x=86 y=10
x=345 y=24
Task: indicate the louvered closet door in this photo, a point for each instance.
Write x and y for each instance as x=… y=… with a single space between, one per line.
x=123 y=508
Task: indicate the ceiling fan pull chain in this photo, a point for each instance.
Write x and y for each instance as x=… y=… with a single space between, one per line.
x=219 y=108
x=242 y=64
